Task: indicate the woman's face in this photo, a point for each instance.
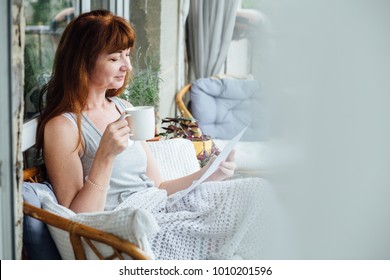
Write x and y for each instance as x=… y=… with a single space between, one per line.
x=110 y=70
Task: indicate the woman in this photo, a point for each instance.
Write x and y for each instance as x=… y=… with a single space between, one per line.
x=86 y=151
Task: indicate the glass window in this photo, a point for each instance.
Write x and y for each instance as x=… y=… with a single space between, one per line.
x=100 y=4
x=45 y=21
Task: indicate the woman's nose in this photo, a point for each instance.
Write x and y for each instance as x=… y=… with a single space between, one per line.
x=126 y=65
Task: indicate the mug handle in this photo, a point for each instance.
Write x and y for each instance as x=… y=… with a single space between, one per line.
x=124 y=115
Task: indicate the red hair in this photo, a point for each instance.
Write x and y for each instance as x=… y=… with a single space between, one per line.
x=84 y=38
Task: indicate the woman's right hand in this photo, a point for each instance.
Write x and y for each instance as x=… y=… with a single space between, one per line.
x=115 y=138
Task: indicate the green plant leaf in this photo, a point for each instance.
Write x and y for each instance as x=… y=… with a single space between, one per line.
x=143 y=87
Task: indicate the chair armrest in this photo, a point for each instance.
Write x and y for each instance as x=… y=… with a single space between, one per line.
x=183 y=110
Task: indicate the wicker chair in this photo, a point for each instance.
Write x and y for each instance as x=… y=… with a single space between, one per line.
x=250 y=149
x=223 y=106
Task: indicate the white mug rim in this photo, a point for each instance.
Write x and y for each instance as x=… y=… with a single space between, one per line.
x=138 y=108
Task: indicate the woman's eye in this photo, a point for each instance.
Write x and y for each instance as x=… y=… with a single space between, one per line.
x=114 y=59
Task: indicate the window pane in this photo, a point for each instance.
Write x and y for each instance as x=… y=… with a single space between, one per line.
x=100 y=4
x=45 y=22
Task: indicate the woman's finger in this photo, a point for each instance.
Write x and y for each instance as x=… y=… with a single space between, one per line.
x=229 y=165
x=226 y=171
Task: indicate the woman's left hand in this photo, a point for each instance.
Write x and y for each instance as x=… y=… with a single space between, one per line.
x=225 y=170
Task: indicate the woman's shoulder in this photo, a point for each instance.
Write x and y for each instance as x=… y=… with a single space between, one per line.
x=61 y=124
x=61 y=135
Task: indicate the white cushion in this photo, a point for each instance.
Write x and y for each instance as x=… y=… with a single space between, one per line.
x=231 y=105
x=175 y=157
x=134 y=225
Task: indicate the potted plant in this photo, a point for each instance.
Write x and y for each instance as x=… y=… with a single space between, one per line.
x=143 y=86
x=188 y=128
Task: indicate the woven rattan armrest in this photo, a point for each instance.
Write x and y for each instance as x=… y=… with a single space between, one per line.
x=183 y=110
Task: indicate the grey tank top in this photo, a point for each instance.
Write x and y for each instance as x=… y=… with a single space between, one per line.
x=129 y=169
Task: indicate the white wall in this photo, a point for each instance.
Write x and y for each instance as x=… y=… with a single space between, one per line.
x=238 y=59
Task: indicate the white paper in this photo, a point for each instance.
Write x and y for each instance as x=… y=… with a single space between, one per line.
x=214 y=166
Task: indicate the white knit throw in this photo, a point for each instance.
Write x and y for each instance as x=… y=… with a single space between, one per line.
x=217 y=220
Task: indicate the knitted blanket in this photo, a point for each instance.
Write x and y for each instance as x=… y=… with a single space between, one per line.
x=217 y=220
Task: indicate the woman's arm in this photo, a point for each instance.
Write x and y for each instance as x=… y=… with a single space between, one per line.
x=225 y=170
x=63 y=164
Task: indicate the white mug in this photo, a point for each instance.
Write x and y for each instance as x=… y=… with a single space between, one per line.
x=141 y=122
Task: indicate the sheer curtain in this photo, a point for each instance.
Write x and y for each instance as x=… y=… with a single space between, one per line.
x=210 y=31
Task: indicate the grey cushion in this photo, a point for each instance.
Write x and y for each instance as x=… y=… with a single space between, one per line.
x=37 y=241
x=223 y=107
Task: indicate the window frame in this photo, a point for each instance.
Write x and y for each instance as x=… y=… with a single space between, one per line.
x=7 y=228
